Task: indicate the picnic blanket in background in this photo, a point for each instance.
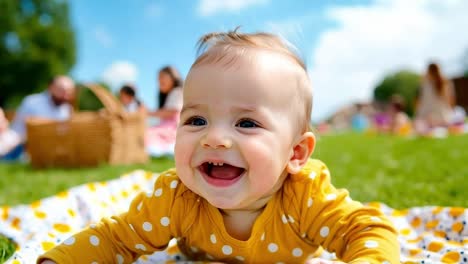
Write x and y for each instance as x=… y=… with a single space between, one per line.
x=160 y=139
x=428 y=234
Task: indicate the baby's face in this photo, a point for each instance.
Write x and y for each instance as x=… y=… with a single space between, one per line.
x=237 y=130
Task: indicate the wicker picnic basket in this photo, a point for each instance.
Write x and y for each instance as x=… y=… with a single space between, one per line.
x=110 y=135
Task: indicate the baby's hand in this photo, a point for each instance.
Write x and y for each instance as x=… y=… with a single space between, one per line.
x=322 y=261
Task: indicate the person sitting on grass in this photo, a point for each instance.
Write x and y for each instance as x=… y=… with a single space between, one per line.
x=54 y=103
x=127 y=96
x=400 y=123
x=243 y=188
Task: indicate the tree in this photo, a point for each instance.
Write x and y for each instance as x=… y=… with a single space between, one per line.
x=36 y=42
x=403 y=83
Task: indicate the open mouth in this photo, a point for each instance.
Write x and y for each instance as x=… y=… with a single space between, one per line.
x=221 y=174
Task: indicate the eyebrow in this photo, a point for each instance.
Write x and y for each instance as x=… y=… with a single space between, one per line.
x=189 y=106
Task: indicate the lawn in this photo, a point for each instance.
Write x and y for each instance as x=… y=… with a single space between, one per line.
x=397 y=171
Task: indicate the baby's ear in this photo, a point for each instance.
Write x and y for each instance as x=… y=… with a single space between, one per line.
x=301 y=152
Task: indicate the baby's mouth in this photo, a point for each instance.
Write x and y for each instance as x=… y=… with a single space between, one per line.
x=221 y=171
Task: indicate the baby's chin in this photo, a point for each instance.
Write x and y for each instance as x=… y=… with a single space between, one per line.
x=223 y=203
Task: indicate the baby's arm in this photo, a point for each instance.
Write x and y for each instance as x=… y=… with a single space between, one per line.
x=354 y=232
x=145 y=228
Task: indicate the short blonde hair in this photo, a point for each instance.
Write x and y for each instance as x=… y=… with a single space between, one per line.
x=227 y=47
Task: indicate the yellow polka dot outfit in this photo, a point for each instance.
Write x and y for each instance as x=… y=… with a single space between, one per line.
x=306 y=215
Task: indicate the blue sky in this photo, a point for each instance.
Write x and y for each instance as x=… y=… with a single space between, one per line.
x=348 y=45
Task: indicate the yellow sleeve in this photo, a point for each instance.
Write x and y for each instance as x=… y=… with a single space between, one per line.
x=147 y=227
x=355 y=233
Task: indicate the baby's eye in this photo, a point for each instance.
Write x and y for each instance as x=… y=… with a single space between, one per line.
x=195 y=121
x=247 y=123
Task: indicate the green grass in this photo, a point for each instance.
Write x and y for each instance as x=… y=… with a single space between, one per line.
x=19 y=183
x=397 y=171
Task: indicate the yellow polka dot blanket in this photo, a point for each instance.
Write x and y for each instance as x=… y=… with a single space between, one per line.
x=428 y=234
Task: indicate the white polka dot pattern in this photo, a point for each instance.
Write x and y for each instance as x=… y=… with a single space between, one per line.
x=297 y=252
x=140 y=247
x=284 y=219
x=227 y=250
x=324 y=231
x=331 y=197
x=312 y=175
x=174 y=184
x=147 y=226
x=310 y=202
x=165 y=221
x=213 y=238
x=120 y=259
x=371 y=244
x=158 y=192
x=272 y=247
x=94 y=240
x=262 y=237
x=70 y=241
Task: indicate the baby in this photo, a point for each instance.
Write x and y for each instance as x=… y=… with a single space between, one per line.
x=244 y=188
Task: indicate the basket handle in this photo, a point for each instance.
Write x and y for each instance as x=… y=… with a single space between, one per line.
x=110 y=103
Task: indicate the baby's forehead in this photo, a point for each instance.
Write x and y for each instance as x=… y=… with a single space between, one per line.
x=237 y=56
x=264 y=82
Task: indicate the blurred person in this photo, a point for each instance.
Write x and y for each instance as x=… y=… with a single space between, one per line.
x=400 y=123
x=170 y=95
x=160 y=138
x=9 y=140
x=359 y=120
x=436 y=100
x=129 y=100
x=53 y=103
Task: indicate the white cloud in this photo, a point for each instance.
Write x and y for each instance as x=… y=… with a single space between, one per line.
x=371 y=41
x=119 y=73
x=153 y=10
x=103 y=36
x=211 y=7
